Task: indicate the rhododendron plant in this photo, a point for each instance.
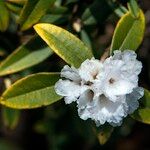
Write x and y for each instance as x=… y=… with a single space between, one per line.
x=92 y=55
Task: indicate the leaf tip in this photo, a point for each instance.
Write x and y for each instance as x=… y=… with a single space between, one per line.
x=36 y=27
x=39 y=28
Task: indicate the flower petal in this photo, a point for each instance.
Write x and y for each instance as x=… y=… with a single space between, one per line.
x=117 y=88
x=85 y=99
x=126 y=55
x=112 y=111
x=85 y=102
x=103 y=110
x=89 y=69
x=69 y=89
x=70 y=73
x=132 y=99
x=132 y=67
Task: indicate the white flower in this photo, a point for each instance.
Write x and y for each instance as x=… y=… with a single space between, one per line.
x=104 y=91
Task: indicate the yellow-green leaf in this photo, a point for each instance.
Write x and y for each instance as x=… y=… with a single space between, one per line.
x=145 y=101
x=63 y=43
x=33 y=91
x=24 y=57
x=32 y=11
x=142 y=115
x=129 y=32
x=4 y=16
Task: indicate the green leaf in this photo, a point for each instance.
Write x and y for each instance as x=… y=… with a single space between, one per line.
x=4 y=16
x=23 y=57
x=134 y=8
x=86 y=39
x=88 y=18
x=129 y=32
x=32 y=11
x=63 y=43
x=145 y=101
x=59 y=10
x=70 y=1
x=54 y=18
x=120 y=11
x=91 y=16
x=10 y=117
x=142 y=115
x=14 y=8
x=20 y=2
x=33 y=91
x=104 y=133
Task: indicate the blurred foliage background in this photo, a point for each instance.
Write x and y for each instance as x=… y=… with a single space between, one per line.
x=58 y=127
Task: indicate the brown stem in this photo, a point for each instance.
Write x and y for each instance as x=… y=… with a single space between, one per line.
x=105 y=54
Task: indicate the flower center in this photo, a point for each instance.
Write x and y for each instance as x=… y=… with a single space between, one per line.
x=94 y=74
x=111 y=80
x=88 y=83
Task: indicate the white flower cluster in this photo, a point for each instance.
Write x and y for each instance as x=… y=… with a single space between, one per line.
x=104 y=91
